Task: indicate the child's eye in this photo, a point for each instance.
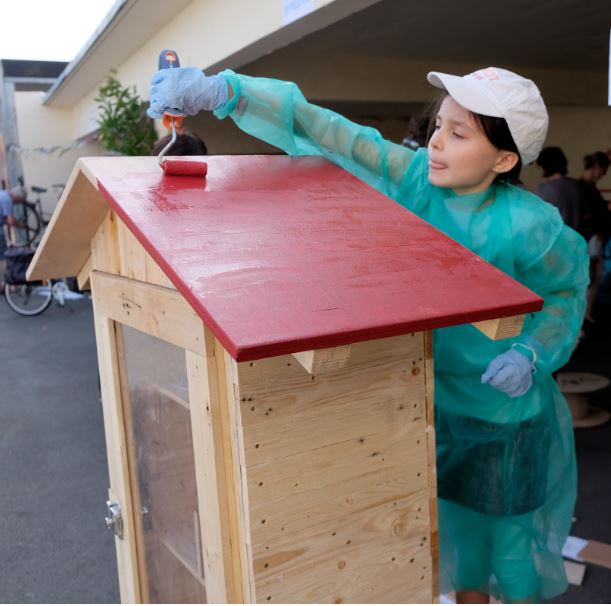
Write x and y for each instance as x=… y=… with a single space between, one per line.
x=437 y=127
x=457 y=135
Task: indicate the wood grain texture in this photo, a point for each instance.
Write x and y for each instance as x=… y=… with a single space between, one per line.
x=66 y=244
x=116 y=452
x=323 y=360
x=337 y=470
x=501 y=328
x=157 y=311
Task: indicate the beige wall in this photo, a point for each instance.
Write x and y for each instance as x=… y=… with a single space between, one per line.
x=209 y=32
x=580 y=122
x=40 y=126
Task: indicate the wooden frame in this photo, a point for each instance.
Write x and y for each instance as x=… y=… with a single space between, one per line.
x=231 y=437
x=314 y=470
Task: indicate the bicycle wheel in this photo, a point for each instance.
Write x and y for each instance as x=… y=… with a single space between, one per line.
x=28 y=299
x=28 y=215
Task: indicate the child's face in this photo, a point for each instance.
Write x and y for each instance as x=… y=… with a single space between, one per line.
x=460 y=155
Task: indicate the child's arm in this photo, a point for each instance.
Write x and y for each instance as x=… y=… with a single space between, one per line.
x=278 y=113
x=559 y=274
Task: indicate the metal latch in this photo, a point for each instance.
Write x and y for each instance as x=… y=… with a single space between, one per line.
x=114 y=521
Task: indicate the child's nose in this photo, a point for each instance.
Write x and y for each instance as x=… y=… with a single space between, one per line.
x=436 y=141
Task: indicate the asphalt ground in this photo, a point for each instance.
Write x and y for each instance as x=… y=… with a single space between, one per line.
x=54 y=546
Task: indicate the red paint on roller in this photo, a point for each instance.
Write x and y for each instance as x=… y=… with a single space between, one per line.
x=184 y=167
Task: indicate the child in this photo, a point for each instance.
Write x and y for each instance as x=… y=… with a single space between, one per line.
x=505 y=455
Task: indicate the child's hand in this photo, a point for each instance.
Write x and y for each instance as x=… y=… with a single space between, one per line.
x=510 y=373
x=187 y=90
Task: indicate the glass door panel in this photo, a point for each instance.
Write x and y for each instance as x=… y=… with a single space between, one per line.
x=162 y=471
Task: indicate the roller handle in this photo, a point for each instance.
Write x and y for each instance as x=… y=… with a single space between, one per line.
x=168 y=59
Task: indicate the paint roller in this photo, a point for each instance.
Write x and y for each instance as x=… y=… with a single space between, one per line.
x=172 y=120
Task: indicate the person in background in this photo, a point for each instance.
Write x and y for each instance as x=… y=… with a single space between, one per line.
x=568 y=195
x=595 y=167
x=506 y=469
x=187 y=144
x=7 y=199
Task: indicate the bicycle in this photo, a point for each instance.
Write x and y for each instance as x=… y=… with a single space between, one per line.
x=32 y=298
x=32 y=216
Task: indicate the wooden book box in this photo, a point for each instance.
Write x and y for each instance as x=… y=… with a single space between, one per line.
x=265 y=354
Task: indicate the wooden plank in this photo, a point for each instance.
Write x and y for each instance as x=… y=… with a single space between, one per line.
x=323 y=360
x=210 y=475
x=429 y=382
x=132 y=256
x=66 y=243
x=115 y=250
x=105 y=246
x=283 y=386
x=83 y=276
x=160 y=312
x=227 y=367
x=155 y=275
x=223 y=533
x=338 y=475
x=131 y=449
x=116 y=449
x=501 y=328
x=350 y=558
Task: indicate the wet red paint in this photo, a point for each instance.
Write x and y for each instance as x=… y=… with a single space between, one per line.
x=280 y=254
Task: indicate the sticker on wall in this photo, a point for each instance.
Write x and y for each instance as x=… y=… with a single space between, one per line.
x=296 y=9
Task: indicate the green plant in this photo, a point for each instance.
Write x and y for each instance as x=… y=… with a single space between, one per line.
x=123 y=124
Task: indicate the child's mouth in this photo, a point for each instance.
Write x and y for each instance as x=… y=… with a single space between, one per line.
x=436 y=165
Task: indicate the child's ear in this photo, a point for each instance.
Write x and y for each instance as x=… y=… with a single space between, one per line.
x=506 y=160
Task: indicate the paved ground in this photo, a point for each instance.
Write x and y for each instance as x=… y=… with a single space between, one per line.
x=53 y=477
x=54 y=546
x=594 y=480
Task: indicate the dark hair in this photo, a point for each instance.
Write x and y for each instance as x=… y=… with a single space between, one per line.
x=596 y=159
x=496 y=131
x=187 y=144
x=552 y=160
x=417 y=131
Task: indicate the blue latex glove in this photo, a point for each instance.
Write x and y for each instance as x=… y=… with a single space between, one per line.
x=511 y=373
x=186 y=89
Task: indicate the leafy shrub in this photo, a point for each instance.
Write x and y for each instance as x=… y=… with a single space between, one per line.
x=123 y=124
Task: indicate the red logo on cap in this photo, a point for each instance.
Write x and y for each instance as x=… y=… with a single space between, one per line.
x=486 y=74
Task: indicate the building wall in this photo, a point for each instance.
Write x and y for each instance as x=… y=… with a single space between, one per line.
x=579 y=118
x=212 y=32
x=44 y=127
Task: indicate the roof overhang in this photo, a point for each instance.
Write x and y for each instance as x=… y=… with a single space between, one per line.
x=128 y=25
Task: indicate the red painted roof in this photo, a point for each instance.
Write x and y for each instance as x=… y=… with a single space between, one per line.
x=279 y=255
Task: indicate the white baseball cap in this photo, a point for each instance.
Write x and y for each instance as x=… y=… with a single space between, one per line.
x=502 y=94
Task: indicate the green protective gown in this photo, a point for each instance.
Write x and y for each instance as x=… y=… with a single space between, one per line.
x=505 y=467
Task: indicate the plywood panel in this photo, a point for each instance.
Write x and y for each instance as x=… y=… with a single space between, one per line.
x=337 y=469
x=66 y=243
x=115 y=250
x=105 y=247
